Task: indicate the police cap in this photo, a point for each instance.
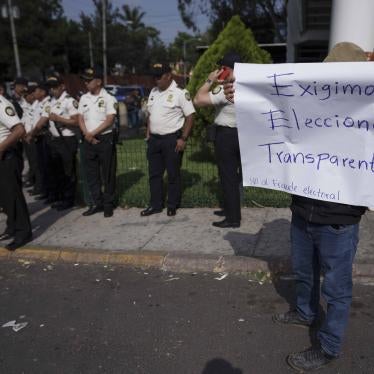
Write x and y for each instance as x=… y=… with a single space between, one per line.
x=54 y=80
x=159 y=70
x=92 y=73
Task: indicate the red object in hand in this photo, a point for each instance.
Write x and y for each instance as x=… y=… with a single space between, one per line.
x=225 y=73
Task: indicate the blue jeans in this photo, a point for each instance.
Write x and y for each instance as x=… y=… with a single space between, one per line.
x=317 y=249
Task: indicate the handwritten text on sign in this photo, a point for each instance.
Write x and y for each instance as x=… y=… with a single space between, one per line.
x=308 y=129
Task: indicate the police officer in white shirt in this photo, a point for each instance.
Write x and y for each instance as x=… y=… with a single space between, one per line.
x=226 y=140
x=97 y=113
x=12 y=199
x=30 y=147
x=62 y=116
x=169 y=124
x=42 y=99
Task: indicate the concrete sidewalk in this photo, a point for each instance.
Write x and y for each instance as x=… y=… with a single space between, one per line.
x=186 y=242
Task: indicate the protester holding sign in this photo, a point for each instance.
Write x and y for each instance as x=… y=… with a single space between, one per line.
x=324 y=232
x=226 y=141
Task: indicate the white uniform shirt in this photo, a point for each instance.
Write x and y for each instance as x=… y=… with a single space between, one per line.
x=168 y=109
x=96 y=108
x=28 y=115
x=8 y=118
x=39 y=109
x=225 y=110
x=65 y=106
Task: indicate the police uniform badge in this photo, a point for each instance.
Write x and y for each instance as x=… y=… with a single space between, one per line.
x=187 y=96
x=216 y=90
x=10 y=111
x=101 y=103
x=170 y=98
x=47 y=109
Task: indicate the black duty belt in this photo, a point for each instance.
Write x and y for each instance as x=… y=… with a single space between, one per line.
x=173 y=134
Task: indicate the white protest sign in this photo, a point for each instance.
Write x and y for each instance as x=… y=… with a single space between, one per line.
x=308 y=129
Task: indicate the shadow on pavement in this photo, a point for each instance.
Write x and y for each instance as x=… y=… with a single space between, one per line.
x=41 y=223
x=220 y=366
x=272 y=234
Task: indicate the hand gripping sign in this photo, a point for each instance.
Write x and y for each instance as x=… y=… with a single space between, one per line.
x=308 y=129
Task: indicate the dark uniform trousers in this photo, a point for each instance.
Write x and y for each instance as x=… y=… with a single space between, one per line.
x=34 y=175
x=62 y=176
x=11 y=197
x=101 y=166
x=161 y=157
x=42 y=154
x=230 y=170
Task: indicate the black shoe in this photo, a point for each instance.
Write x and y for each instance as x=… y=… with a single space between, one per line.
x=5 y=236
x=311 y=359
x=34 y=192
x=149 y=211
x=51 y=200
x=16 y=243
x=226 y=224
x=219 y=213
x=171 y=212
x=41 y=197
x=93 y=210
x=291 y=317
x=64 y=205
x=28 y=184
x=56 y=204
x=108 y=212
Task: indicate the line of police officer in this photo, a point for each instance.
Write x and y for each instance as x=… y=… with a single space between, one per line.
x=52 y=125
x=49 y=128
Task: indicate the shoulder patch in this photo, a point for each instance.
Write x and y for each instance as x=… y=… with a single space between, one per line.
x=47 y=109
x=75 y=104
x=10 y=111
x=187 y=96
x=216 y=90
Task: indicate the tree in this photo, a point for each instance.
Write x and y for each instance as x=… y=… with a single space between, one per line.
x=130 y=42
x=234 y=37
x=266 y=18
x=41 y=34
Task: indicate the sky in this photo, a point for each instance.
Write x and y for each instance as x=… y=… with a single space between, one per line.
x=161 y=14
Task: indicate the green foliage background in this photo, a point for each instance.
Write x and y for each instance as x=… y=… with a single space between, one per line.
x=235 y=37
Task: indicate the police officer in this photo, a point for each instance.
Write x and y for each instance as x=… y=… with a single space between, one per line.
x=18 y=96
x=62 y=115
x=42 y=99
x=97 y=113
x=226 y=141
x=169 y=124
x=30 y=147
x=12 y=199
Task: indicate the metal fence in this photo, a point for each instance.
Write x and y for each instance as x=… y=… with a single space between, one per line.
x=200 y=183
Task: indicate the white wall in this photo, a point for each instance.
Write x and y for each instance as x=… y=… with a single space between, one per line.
x=353 y=21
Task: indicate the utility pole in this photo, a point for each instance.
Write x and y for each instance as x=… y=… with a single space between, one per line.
x=90 y=49
x=14 y=38
x=105 y=68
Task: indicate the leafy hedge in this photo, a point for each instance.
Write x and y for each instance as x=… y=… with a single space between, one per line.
x=235 y=37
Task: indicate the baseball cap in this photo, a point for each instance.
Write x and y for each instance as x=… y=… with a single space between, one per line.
x=346 y=52
x=229 y=59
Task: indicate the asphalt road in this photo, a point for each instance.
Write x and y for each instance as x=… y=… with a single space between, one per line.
x=104 y=319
